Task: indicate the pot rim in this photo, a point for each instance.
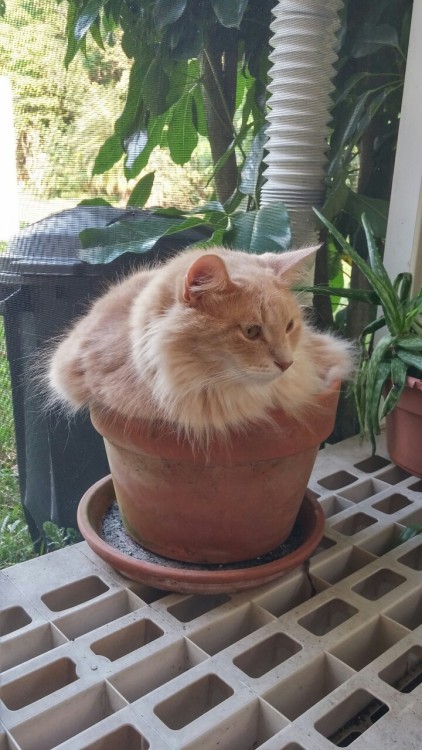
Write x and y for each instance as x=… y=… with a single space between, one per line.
x=90 y=516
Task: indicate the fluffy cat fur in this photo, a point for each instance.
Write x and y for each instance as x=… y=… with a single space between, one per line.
x=210 y=341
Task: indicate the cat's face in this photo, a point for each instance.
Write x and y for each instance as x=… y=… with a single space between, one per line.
x=237 y=324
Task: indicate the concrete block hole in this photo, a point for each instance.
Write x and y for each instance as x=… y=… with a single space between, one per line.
x=352 y=717
x=186 y=705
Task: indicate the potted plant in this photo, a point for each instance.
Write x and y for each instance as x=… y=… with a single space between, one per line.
x=388 y=381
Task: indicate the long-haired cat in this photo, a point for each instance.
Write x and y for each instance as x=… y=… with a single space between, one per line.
x=210 y=341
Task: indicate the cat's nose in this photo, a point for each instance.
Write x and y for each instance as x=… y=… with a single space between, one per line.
x=283 y=366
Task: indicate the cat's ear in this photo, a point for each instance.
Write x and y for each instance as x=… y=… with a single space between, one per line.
x=290 y=263
x=208 y=273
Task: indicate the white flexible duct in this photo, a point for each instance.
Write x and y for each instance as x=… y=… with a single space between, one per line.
x=305 y=43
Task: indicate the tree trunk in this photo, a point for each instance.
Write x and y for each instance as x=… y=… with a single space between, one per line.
x=219 y=75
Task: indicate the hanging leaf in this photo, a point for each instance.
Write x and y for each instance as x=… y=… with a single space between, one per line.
x=156 y=129
x=87 y=17
x=229 y=12
x=182 y=137
x=134 y=145
x=167 y=12
x=142 y=191
x=155 y=87
x=261 y=231
x=110 y=152
x=124 y=125
x=96 y=33
x=371 y=37
x=198 y=111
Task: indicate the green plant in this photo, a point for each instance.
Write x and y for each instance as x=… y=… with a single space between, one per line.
x=261 y=230
x=384 y=362
x=57 y=538
x=15 y=542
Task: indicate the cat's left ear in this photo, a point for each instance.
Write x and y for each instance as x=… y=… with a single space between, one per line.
x=291 y=262
x=207 y=274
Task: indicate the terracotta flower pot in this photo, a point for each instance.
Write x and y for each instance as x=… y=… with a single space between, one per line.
x=230 y=503
x=404 y=429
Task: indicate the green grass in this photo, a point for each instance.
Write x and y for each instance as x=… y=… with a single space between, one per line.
x=15 y=541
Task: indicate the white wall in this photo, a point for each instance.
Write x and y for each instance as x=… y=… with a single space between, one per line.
x=403 y=249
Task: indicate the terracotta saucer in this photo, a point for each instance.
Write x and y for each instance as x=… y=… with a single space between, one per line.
x=98 y=508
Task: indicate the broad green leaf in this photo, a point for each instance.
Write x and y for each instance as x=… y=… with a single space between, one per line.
x=125 y=124
x=72 y=44
x=87 y=17
x=115 y=10
x=155 y=87
x=103 y=245
x=178 y=74
x=336 y=198
x=167 y=12
x=229 y=12
x=342 y=94
x=261 y=231
x=182 y=137
x=156 y=128
x=96 y=33
x=371 y=37
x=356 y=119
x=134 y=145
x=2 y=8
x=199 y=119
x=142 y=191
x=348 y=134
x=110 y=152
x=375 y=209
x=95 y=202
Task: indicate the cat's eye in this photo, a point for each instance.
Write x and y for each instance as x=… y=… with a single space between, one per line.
x=289 y=326
x=252 y=332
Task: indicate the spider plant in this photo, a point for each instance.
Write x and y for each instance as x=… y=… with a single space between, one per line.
x=385 y=360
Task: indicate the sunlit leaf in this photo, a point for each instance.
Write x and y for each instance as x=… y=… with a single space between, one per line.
x=142 y=191
x=110 y=152
x=261 y=231
x=182 y=137
x=134 y=145
x=87 y=17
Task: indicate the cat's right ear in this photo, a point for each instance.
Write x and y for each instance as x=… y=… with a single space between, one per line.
x=290 y=262
x=207 y=274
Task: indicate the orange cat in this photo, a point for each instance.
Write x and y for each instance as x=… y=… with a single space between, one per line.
x=210 y=340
